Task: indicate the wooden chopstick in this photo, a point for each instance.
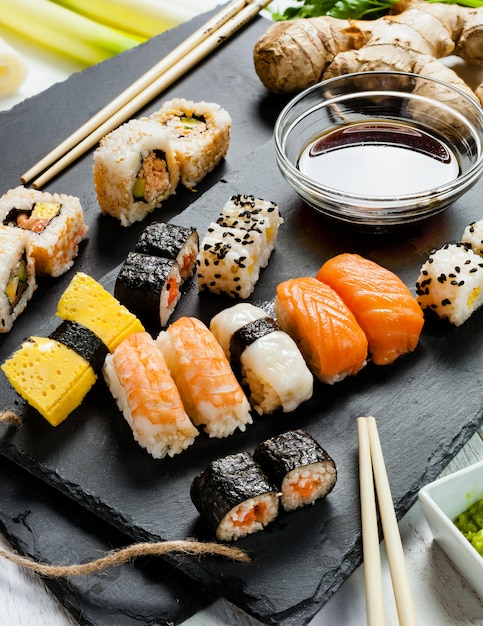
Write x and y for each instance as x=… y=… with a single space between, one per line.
x=172 y=67
x=395 y=554
x=370 y=533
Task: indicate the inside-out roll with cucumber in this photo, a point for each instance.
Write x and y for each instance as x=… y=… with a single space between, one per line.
x=201 y=132
x=17 y=275
x=54 y=223
x=298 y=466
x=135 y=169
x=267 y=358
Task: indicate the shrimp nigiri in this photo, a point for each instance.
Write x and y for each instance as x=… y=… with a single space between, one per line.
x=211 y=394
x=139 y=379
x=327 y=333
x=382 y=304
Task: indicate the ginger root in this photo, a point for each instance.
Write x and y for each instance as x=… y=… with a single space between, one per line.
x=297 y=54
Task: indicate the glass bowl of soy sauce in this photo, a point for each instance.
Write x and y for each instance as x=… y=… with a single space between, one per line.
x=380 y=149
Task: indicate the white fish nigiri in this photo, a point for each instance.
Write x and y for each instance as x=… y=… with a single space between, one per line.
x=267 y=358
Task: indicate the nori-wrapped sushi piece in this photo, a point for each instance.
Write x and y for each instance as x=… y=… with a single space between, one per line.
x=83 y=341
x=149 y=287
x=298 y=466
x=170 y=241
x=234 y=496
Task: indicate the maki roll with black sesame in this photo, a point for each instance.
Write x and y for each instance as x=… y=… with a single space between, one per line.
x=237 y=246
x=170 y=241
x=450 y=283
x=473 y=237
x=235 y=497
x=298 y=466
x=149 y=287
x=265 y=357
x=135 y=170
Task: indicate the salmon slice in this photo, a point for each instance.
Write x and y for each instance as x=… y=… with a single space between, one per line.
x=382 y=304
x=326 y=331
x=208 y=387
x=140 y=381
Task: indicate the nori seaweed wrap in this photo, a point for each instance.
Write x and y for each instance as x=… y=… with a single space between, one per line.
x=149 y=287
x=298 y=466
x=170 y=241
x=83 y=341
x=235 y=497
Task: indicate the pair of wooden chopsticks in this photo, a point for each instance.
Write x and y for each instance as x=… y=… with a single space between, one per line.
x=372 y=470
x=176 y=64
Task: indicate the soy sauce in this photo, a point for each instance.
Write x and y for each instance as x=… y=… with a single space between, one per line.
x=379 y=159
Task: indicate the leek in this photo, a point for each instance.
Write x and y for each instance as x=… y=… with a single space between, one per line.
x=63 y=31
x=145 y=18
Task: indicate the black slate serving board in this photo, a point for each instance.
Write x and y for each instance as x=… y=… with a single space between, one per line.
x=427 y=404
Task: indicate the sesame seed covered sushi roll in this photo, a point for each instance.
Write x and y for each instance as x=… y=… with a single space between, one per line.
x=54 y=222
x=149 y=287
x=473 y=237
x=450 y=283
x=266 y=358
x=201 y=136
x=54 y=374
x=298 y=466
x=139 y=380
x=235 y=497
x=324 y=328
x=237 y=246
x=17 y=275
x=135 y=169
x=211 y=394
x=170 y=241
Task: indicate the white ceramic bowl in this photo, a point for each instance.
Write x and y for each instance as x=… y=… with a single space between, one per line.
x=442 y=501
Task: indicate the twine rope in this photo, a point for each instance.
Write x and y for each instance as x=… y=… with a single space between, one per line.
x=122 y=555
x=10 y=417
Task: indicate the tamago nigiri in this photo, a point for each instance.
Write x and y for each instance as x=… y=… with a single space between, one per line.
x=382 y=304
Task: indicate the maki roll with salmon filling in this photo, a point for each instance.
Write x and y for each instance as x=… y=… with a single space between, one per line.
x=135 y=170
x=53 y=374
x=298 y=466
x=149 y=287
x=211 y=394
x=201 y=136
x=235 y=497
x=266 y=358
x=139 y=380
x=17 y=275
x=54 y=223
x=170 y=241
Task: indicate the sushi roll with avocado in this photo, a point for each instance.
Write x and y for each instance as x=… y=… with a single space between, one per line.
x=299 y=467
x=149 y=287
x=54 y=223
x=169 y=241
x=266 y=358
x=17 y=275
x=53 y=374
x=235 y=497
x=201 y=136
x=135 y=169
x=450 y=283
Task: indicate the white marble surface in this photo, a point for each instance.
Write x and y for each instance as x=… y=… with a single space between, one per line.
x=441 y=595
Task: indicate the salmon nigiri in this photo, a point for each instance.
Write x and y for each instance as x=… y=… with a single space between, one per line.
x=327 y=333
x=208 y=387
x=139 y=379
x=382 y=304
